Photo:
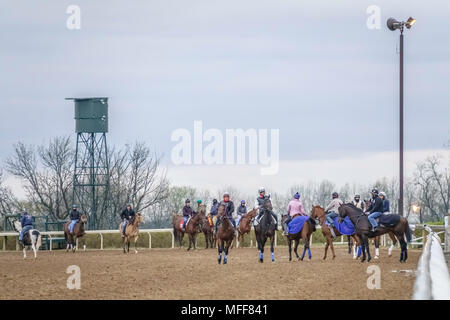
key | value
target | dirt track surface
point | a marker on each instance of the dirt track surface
(168, 273)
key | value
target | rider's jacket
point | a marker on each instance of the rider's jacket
(359, 204)
(386, 206)
(27, 220)
(127, 214)
(377, 205)
(229, 207)
(75, 215)
(214, 209)
(242, 210)
(259, 202)
(187, 211)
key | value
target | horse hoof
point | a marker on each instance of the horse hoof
(261, 260)
(376, 257)
(368, 260)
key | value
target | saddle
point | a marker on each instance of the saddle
(210, 221)
(388, 220)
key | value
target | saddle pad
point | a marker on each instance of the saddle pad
(296, 225)
(389, 219)
(346, 227)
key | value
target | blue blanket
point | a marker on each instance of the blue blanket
(296, 225)
(345, 227)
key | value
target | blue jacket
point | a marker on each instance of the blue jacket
(215, 209)
(26, 220)
(386, 206)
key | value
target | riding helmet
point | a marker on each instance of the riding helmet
(199, 201)
(261, 190)
(383, 194)
(187, 201)
(226, 194)
(242, 201)
(297, 195)
(375, 190)
(335, 195)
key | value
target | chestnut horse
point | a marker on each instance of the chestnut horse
(245, 225)
(319, 213)
(131, 233)
(78, 232)
(225, 234)
(304, 234)
(207, 227)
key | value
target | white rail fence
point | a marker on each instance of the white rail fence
(58, 235)
(433, 281)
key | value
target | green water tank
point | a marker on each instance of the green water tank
(91, 114)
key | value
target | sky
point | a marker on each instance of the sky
(311, 69)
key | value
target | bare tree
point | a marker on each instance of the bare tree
(8, 202)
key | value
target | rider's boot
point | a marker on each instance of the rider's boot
(333, 235)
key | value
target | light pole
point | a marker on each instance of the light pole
(393, 25)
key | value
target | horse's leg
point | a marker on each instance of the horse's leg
(394, 242)
(332, 248)
(306, 239)
(272, 241)
(135, 244)
(24, 252)
(328, 239)
(290, 248)
(190, 241)
(296, 242)
(403, 247)
(349, 245)
(377, 247)
(227, 245)
(124, 244)
(33, 246)
(219, 248)
(363, 247)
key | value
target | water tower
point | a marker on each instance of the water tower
(91, 174)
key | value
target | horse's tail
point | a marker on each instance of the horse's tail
(408, 232)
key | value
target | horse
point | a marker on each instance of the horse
(192, 227)
(362, 229)
(225, 234)
(78, 232)
(207, 227)
(31, 239)
(304, 234)
(131, 233)
(245, 225)
(319, 213)
(265, 229)
(378, 238)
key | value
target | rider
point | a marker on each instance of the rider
(127, 217)
(199, 202)
(187, 212)
(357, 202)
(74, 217)
(27, 225)
(295, 207)
(386, 204)
(259, 202)
(376, 209)
(229, 209)
(242, 209)
(332, 210)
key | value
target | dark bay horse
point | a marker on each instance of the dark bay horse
(363, 226)
(304, 234)
(78, 232)
(266, 228)
(225, 234)
(245, 225)
(319, 213)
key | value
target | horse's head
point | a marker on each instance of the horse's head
(367, 204)
(17, 226)
(317, 212)
(139, 219)
(267, 205)
(221, 210)
(252, 213)
(343, 210)
(84, 218)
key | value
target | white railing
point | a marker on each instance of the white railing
(433, 281)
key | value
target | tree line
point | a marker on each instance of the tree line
(137, 177)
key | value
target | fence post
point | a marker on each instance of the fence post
(51, 242)
(447, 232)
(173, 239)
(149, 240)
(4, 243)
(101, 241)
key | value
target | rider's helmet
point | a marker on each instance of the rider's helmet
(375, 191)
(357, 197)
(382, 193)
(226, 194)
(261, 190)
(187, 201)
(242, 201)
(74, 206)
(335, 195)
(128, 205)
(297, 195)
(199, 201)
(215, 201)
